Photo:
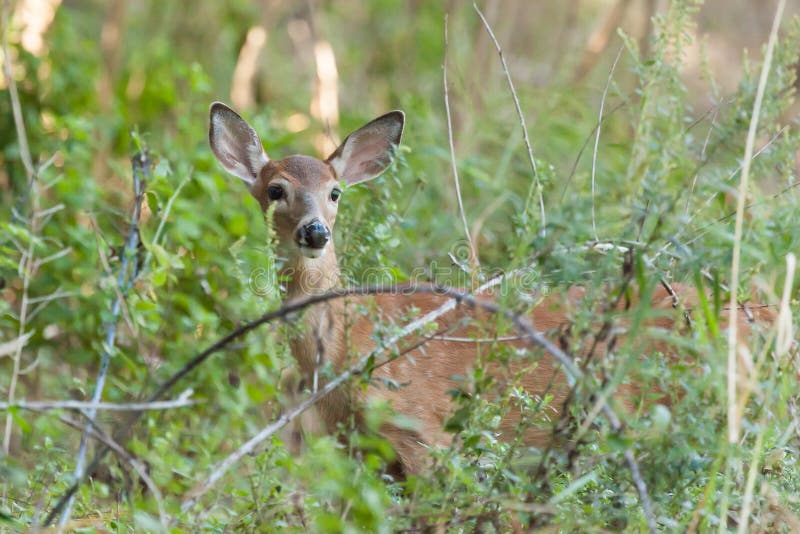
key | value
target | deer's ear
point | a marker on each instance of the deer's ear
(367, 152)
(235, 144)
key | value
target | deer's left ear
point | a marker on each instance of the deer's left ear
(368, 151)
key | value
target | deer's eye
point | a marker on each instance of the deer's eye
(335, 194)
(274, 192)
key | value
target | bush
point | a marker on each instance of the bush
(650, 200)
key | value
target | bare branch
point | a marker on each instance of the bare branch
(597, 136)
(165, 215)
(55, 295)
(127, 273)
(519, 114)
(473, 253)
(181, 402)
(60, 254)
(583, 148)
(11, 347)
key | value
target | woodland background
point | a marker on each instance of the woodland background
(86, 85)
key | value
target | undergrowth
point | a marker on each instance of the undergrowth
(660, 212)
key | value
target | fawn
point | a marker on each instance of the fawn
(305, 193)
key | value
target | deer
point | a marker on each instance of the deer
(304, 193)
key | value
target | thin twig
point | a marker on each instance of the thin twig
(127, 272)
(180, 402)
(733, 174)
(583, 148)
(11, 347)
(60, 254)
(519, 115)
(702, 155)
(458, 339)
(733, 416)
(473, 253)
(597, 135)
(49, 212)
(57, 294)
(707, 228)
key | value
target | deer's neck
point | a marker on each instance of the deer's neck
(321, 338)
(311, 276)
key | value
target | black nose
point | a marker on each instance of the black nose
(314, 235)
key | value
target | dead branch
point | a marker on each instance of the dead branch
(39, 406)
(597, 136)
(521, 117)
(127, 274)
(473, 253)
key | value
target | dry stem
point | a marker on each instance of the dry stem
(521, 117)
(473, 253)
(734, 418)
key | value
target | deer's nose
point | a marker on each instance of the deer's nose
(314, 235)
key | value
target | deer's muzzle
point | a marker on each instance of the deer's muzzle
(313, 235)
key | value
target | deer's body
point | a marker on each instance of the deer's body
(426, 376)
(305, 192)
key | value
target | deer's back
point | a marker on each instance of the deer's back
(427, 367)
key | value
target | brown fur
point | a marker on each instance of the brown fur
(427, 375)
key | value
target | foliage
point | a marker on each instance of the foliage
(666, 171)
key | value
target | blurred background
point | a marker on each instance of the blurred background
(309, 72)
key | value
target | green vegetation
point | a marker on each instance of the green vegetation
(659, 195)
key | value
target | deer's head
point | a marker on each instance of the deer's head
(304, 190)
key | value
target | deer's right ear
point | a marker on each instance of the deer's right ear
(235, 144)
